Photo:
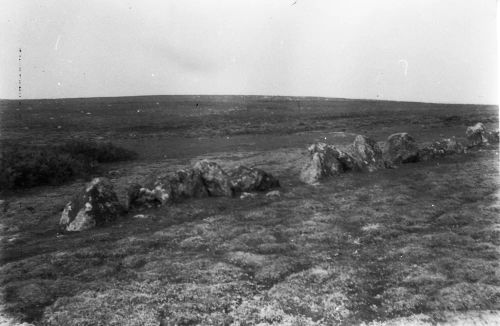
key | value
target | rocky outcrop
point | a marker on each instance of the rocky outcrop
(215, 179)
(400, 148)
(245, 179)
(95, 205)
(443, 147)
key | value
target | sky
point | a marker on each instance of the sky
(411, 50)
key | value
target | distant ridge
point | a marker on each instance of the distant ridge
(229, 98)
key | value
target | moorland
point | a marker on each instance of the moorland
(414, 245)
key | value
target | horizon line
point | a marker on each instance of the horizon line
(245, 95)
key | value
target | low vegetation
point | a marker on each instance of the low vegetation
(418, 240)
(415, 245)
(23, 166)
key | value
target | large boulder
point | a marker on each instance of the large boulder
(366, 153)
(156, 191)
(344, 161)
(443, 147)
(323, 163)
(348, 161)
(187, 183)
(161, 189)
(400, 148)
(95, 205)
(215, 179)
(314, 170)
(245, 179)
(204, 179)
(476, 135)
(479, 135)
(143, 197)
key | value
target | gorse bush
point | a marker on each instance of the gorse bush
(24, 166)
(98, 152)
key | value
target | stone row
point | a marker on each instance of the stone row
(364, 154)
(204, 179)
(98, 203)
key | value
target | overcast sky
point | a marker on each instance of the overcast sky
(417, 50)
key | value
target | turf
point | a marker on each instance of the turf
(414, 245)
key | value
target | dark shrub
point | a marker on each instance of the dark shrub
(24, 166)
(99, 152)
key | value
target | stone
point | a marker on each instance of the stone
(273, 194)
(443, 147)
(323, 163)
(313, 170)
(348, 162)
(142, 216)
(161, 189)
(142, 197)
(95, 205)
(476, 135)
(133, 195)
(492, 137)
(327, 160)
(366, 153)
(342, 161)
(245, 179)
(400, 148)
(187, 183)
(245, 195)
(215, 179)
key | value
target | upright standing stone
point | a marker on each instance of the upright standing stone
(323, 163)
(367, 153)
(215, 179)
(187, 183)
(478, 135)
(95, 205)
(400, 148)
(161, 189)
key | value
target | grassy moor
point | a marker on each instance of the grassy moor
(413, 245)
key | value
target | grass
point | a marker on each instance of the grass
(309, 258)
(414, 244)
(172, 126)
